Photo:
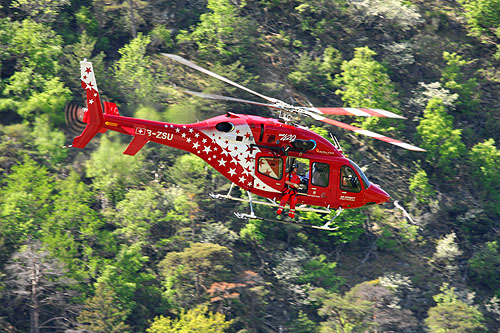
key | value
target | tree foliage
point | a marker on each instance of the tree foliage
(453, 315)
(189, 273)
(439, 137)
(364, 82)
(199, 319)
(129, 244)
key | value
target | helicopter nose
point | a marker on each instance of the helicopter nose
(376, 195)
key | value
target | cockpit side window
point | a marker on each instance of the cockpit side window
(349, 181)
(271, 167)
(320, 173)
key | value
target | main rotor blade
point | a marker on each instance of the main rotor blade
(217, 76)
(360, 112)
(365, 132)
(226, 98)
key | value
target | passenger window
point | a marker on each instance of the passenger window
(320, 174)
(271, 167)
(348, 180)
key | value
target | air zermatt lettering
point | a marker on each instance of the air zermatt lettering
(287, 137)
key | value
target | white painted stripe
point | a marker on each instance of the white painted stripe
(358, 112)
(407, 146)
(369, 133)
(388, 113)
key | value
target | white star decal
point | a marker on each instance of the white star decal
(188, 139)
(177, 130)
(232, 171)
(222, 162)
(196, 145)
(183, 135)
(242, 179)
(196, 135)
(207, 149)
(190, 130)
(245, 172)
(91, 101)
(204, 140)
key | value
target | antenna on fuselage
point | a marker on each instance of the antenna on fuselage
(336, 142)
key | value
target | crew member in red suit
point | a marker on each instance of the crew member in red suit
(290, 193)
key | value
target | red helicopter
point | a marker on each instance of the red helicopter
(254, 153)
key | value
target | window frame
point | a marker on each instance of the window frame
(350, 189)
(311, 170)
(270, 157)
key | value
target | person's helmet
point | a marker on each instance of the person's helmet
(295, 166)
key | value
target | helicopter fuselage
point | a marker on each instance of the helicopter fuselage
(255, 154)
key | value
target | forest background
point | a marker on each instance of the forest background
(95, 241)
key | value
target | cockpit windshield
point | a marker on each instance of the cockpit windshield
(365, 180)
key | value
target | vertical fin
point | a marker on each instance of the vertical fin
(93, 116)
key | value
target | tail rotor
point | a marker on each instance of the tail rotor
(74, 118)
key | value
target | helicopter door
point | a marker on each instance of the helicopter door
(315, 177)
(350, 187)
(319, 180)
(269, 172)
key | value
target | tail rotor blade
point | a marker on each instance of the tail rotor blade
(74, 118)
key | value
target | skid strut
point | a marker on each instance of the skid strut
(327, 224)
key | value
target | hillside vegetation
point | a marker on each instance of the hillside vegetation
(93, 240)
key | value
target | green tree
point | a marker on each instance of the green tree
(199, 319)
(316, 73)
(442, 142)
(346, 313)
(453, 79)
(483, 19)
(485, 160)
(223, 33)
(25, 202)
(48, 140)
(485, 266)
(34, 87)
(321, 273)
(102, 314)
(420, 187)
(139, 212)
(126, 276)
(364, 82)
(130, 10)
(111, 170)
(74, 232)
(41, 11)
(189, 273)
(190, 173)
(371, 305)
(453, 315)
(132, 72)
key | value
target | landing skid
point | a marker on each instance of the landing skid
(270, 203)
(244, 216)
